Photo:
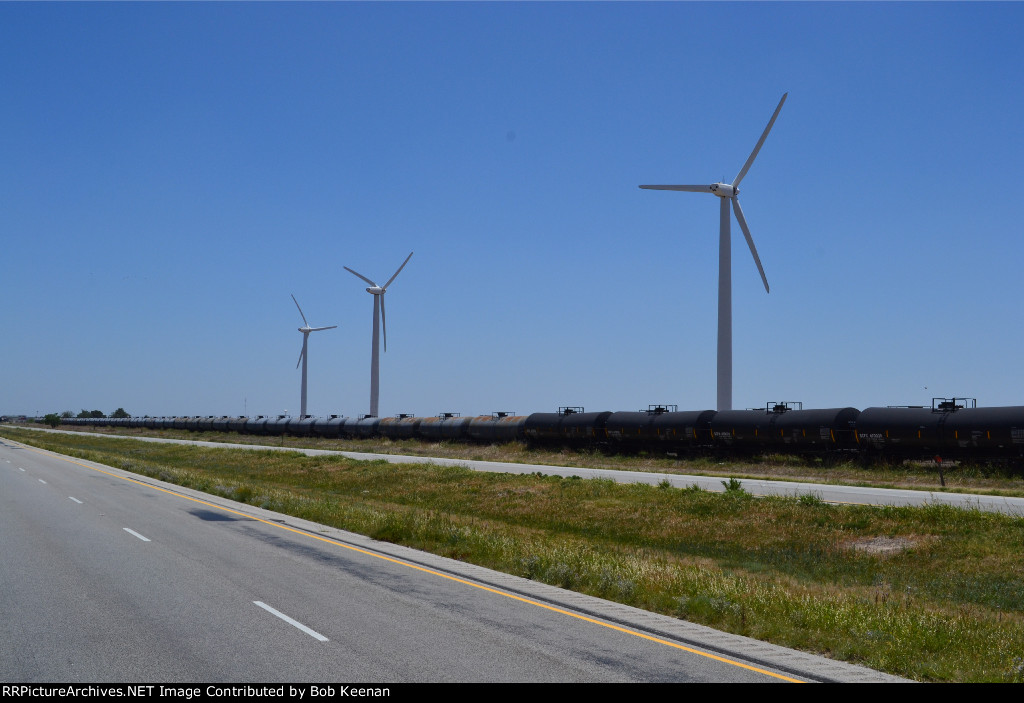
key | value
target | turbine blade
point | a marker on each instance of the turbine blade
(688, 189)
(753, 154)
(385, 286)
(384, 317)
(750, 240)
(361, 276)
(301, 352)
(317, 329)
(300, 311)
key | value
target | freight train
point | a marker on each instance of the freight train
(952, 429)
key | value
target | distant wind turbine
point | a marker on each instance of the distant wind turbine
(728, 192)
(379, 320)
(303, 356)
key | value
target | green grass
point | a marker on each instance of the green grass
(946, 604)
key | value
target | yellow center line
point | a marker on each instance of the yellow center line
(393, 560)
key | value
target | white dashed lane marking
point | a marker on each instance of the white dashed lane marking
(295, 623)
(133, 532)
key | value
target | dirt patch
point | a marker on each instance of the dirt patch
(882, 545)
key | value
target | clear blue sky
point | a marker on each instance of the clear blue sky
(170, 173)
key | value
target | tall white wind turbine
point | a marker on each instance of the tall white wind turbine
(379, 320)
(303, 357)
(728, 192)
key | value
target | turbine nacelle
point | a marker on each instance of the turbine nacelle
(307, 329)
(376, 290)
(724, 190)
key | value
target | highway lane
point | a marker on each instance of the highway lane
(109, 577)
(843, 495)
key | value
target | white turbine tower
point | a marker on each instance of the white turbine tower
(728, 192)
(379, 320)
(303, 357)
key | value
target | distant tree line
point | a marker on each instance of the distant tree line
(53, 419)
(120, 412)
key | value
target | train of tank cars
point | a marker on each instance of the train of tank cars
(952, 429)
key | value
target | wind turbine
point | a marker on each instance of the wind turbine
(728, 192)
(379, 320)
(303, 357)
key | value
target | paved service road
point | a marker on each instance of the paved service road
(107, 576)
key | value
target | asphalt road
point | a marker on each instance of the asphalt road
(106, 576)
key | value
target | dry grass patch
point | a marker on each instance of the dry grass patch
(884, 546)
